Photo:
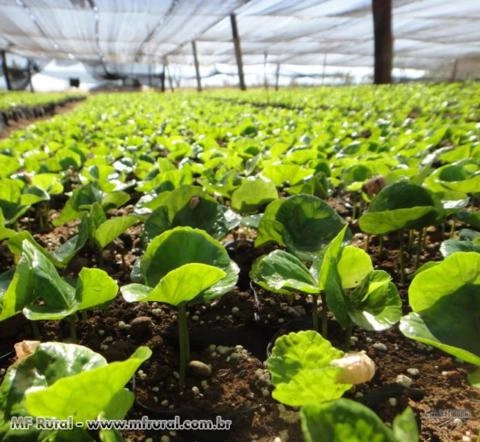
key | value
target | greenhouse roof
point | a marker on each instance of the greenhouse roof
(115, 34)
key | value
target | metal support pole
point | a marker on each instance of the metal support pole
(382, 26)
(238, 51)
(197, 66)
(6, 73)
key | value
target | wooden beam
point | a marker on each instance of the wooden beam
(6, 73)
(238, 51)
(382, 30)
(197, 67)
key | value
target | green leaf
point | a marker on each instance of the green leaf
(305, 224)
(445, 300)
(57, 294)
(405, 426)
(470, 218)
(330, 280)
(462, 176)
(299, 365)
(94, 287)
(19, 291)
(32, 195)
(282, 272)
(344, 420)
(253, 193)
(71, 395)
(113, 228)
(119, 405)
(112, 200)
(190, 206)
(60, 299)
(135, 292)
(450, 246)
(354, 266)
(50, 362)
(182, 284)
(184, 245)
(10, 194)
(5, 232)
(401, 205)
(49, 182)
(376, 304)
(66, 251)
(474, 378)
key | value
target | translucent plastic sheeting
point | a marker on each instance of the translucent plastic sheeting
(107, 30)
(128, 37)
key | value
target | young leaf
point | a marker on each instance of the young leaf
(354, 266)
(16, 293)
(184, 245)
(376, 304)
(190, 206)
(305, 224)
(50, 362)
(405, 426)
(182, 284)
(252, 194)
(445, 300)
(345, 420)
(71, 396)
(112, 228)
(282, 272)
(401, 205)
(94, 287)
(301, 370)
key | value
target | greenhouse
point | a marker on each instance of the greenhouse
(239, 220)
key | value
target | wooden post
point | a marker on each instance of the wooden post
(382, 26)
(277, 76)
(162, 77)
(324, 71)
(265, 78)
(454, 71)
(6, 73)
(29, 73)
(238, 51)
(170, 79)
(197, 66)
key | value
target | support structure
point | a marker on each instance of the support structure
(29, 73)
(197, 67)
(265, 77)
(382, 26)
(6, 72)
(453, 77)
(162, 76)
(277, 76)
(238, 51)
(169, 75)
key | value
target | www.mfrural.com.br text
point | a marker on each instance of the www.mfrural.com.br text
(144, 423)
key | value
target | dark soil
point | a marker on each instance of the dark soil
(231, 336)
